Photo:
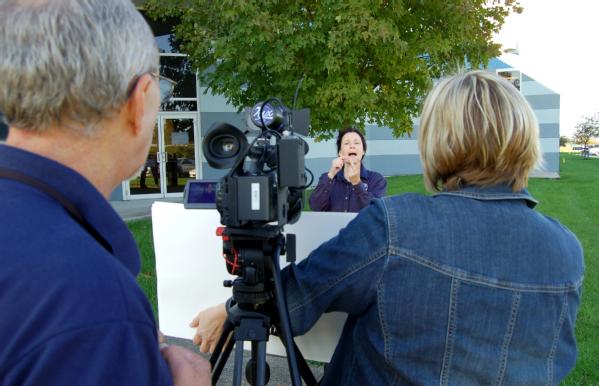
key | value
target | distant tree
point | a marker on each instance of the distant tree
(563, 140)
(360, 60)
(586, 130)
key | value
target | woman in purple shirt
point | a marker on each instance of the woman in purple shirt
(348, 186)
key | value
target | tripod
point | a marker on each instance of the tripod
(258, 303)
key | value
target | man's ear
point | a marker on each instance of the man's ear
(140, 103)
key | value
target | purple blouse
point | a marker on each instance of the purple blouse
(339, 195)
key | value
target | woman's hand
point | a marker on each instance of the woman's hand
(352, 170)
(209, 327)
(336, 165)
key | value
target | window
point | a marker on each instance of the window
(513, 76)
(178, 68)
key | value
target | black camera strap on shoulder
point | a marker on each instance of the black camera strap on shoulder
(56, 195)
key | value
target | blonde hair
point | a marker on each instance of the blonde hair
(477, 129)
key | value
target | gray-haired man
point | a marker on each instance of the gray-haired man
(80, 92)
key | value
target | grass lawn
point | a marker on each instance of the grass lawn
(573, 200)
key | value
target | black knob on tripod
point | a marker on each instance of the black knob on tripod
(228, 283)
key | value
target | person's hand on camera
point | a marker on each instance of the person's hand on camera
(336, 165)
(187, 367)
(209, 327)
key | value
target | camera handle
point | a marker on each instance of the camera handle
(253, 326)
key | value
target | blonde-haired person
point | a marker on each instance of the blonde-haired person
(468, 286)
(476, 130)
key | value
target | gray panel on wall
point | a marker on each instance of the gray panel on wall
(547, 116)
(318, 166)
(549, 130)
(214, 103)
(117, 194)
(394, 165)
(208, 119)
(535, 88)
(384, 133)
(551, 163)
(526, 78)
(543, 102)
(211, 173)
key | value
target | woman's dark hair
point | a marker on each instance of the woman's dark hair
(350, 130)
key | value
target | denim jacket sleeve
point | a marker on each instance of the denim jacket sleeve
(320, 198)
(340, 275)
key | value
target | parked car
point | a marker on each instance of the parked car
(184, 166)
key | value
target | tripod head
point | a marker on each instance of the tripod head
(248, 253)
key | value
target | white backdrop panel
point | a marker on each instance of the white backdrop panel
(190, 271)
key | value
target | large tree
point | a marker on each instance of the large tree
(586, 129)
(360, 60)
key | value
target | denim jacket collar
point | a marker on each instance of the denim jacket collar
(489, 193)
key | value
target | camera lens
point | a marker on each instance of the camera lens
(223, 145)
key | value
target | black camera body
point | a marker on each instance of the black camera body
(268, 177)
(251, 198)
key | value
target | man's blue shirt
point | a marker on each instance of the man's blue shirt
(71, 311)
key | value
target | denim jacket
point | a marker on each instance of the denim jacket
(465, 287)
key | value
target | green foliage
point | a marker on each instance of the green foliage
(361, 60)
(586, 129)
(563, 140)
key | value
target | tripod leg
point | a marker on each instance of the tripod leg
(227, 328)
(238, 370)
(285, 326)
(257, 372)
(305, 371)
(261, 364)
(217, 368)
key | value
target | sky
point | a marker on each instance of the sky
(558, 45)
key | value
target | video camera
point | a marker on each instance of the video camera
(264, 185)
(263, 189)
(267, 177)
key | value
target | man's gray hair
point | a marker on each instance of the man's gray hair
(70, 62)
